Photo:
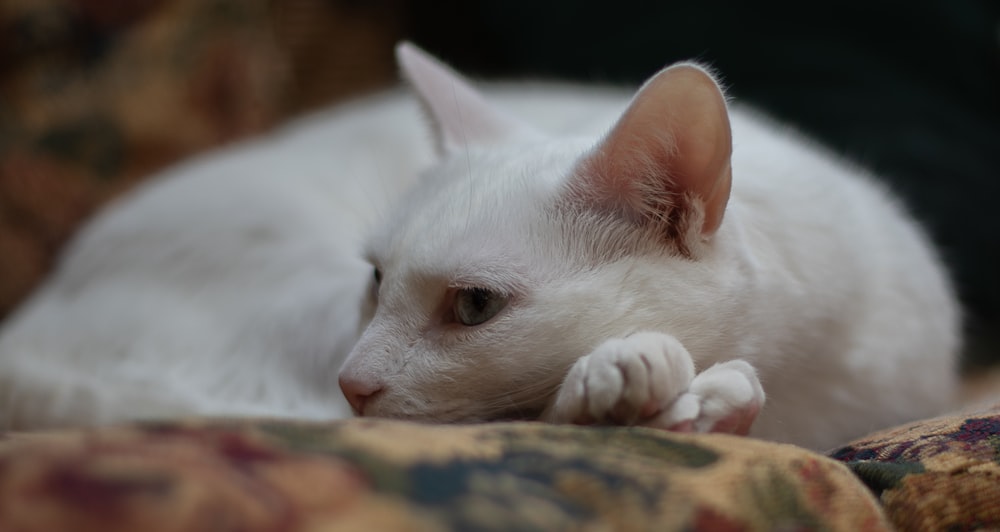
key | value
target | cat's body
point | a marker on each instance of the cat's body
(232, 285)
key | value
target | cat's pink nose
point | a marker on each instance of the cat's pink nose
(358, 391)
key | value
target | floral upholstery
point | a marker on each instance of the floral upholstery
(940, 474)
(383, 475)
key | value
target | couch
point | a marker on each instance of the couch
(97, 95)
(274, 475)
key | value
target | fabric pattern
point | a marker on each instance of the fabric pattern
(384, 475)
(939, 474)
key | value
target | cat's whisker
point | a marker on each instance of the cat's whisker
(526, 402)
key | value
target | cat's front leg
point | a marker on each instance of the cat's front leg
(649, 379)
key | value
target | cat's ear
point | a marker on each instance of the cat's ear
(667, 159)
(459, 114)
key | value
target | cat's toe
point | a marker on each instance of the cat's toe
(590, 391)
(679, 416)
(605, 384)
(668, 369)
(724, 398)
(570, 404)
(624, 381)
(664, 365)
(731, 397)
(636, 377)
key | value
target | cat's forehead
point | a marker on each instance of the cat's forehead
(491, 187)
(499, 171)
(481, 205)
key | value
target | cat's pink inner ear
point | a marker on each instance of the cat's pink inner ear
(460, 115)
(672, 144)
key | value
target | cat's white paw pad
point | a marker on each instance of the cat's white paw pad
(624, 380)
(724, 398)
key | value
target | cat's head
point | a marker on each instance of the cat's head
(518, 253)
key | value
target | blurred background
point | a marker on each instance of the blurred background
(95, 95)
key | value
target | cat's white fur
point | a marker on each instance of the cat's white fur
(232, 284)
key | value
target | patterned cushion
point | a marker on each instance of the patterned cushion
(940, 474)
(382, 475)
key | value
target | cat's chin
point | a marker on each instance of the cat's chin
(465, 411)
(506, 416)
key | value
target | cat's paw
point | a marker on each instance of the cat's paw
(649, 379)
(624, 381)
(724, 398)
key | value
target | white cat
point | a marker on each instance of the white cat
(541, 271)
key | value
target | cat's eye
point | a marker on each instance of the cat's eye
(377, 275)
(477, 305)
